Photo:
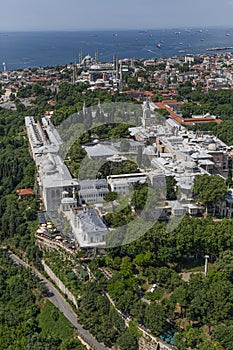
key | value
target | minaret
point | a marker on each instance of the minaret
(121, 80)
(4, 69)
(146, 118)
(74, 78)
(116, 65)
(147, 104)
(80, 56)
(99, 106)
(84, 108)
(96, 57)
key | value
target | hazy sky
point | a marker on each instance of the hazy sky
(109, 14)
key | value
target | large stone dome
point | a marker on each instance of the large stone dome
(49, 167)
(190, 164)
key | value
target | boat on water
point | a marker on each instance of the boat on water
(158, 45)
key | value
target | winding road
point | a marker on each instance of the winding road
(59, 301)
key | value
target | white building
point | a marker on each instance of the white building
(92, 191)
(53, 175)
(100, 151)
(226, 207)
(88, 228)
(123, 183)
(54, 178)
(56, 184)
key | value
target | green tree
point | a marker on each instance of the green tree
(127, 341)
(155, 317)
(126, 268)
(110, 197)
(208, 345)
(171, 187)
(225, 264)
(209, 189)
(145, 260)
(224, 335)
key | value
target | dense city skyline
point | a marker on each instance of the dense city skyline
(77, 15)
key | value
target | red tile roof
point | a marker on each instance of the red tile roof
(173, 102)
(25, 192)
(185, 121)
(138, 92)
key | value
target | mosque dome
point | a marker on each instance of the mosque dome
(149, 150)
(209, 140)
(49, 167)
(190, 165)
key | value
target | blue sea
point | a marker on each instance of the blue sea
(39, 49)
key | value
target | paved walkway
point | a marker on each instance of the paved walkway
(185, 276)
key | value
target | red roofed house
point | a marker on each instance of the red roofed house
(169, 104)
(25, 193)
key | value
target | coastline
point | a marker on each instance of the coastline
(33, 49)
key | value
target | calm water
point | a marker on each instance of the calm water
(33, 49)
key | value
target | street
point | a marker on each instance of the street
(59, 301)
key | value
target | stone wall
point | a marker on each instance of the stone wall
(147, 343)
(59, 283)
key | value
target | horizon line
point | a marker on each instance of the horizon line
(116, 29)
